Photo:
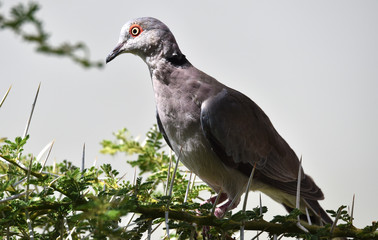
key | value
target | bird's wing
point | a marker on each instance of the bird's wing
(240, 132)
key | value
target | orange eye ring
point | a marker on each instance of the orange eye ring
(135, 30)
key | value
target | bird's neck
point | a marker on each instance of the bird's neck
(161, 65)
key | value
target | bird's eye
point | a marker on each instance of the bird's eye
(135, 30)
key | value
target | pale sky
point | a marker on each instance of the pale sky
(312, 66)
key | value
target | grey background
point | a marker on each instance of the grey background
(310, 65)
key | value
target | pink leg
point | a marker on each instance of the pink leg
(220, 211)
(222, 198)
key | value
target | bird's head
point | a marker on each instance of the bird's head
(145, 37)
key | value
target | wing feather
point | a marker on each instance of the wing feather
(242, 135)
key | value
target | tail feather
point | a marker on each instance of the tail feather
(317, 214)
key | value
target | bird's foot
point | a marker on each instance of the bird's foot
(221, 211)
(221, 198)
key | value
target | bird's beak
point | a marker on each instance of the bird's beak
(117, 50)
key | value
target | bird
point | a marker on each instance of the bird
(217, 132)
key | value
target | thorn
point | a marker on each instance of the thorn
(65, 223)
(298, 198)
(28, 177)
(246, 199)
(188, 188)
(300, 226)
(131, 218)
(168, 172)
(48, 154)
(261, 213)
(119, 179)
(174, 174)
(134, 178)
(241, 191)
(216, 202)
(70, 233)
(257, 235)
(299, 179)
(336, 219)
(261, 210)
(31, 113)
(5, 96)
(28, 122)
(170, 192)
(149, 232)
(95, 162)
(248, 187)
(193, 182)
(352, 211)
(242, 232)
(83, 159)
(308, 216)
(28, 221)
(54, 166)
(153, 230)
(166, 223)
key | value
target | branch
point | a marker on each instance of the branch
(260, 224)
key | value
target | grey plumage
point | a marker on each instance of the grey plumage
(218, 132)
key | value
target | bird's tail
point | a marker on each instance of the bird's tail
(317, 216)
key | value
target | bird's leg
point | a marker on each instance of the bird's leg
(220, 211)
(222, 198)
